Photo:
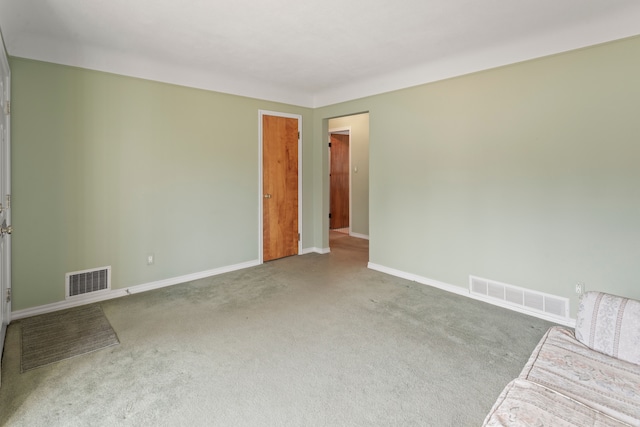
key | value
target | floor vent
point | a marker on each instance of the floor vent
(80, 283)
(513, 296)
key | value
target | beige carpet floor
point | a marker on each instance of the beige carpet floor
(313, 340)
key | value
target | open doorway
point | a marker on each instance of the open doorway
(339, 180)
(348, 138)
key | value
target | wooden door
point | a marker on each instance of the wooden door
(280, 187)
(339, 182)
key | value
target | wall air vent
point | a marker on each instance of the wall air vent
(81, 283)
(510, 296)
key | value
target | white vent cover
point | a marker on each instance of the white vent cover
(80, 283)
(513, 296)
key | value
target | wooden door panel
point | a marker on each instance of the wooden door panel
(339, 181)
(280, 186)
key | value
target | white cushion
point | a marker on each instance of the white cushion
(610, 324)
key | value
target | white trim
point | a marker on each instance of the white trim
(260, 195)
(359, 236)
(315, 250)
(62, 305)
(117, 293)
(5, 287)
(415, 278)
(566, 321)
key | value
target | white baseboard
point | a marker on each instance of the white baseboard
(566, 321)
(359, 236)
(315, 250)
(422, 280)
(62, 305)
(117, 293)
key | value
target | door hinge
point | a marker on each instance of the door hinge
(298, 237)
(329, 145)
(298, 134)
(329, 216)
(9, 295)
(7, 107)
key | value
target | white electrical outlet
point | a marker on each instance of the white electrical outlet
(150, 259)
(580, 288)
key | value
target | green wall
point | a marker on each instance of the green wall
(107, 169)
(527, 174)
(359, 150)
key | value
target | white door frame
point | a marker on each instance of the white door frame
(344, 130)
(5, 180)
(260, 189)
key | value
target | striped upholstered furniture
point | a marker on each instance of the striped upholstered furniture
(590, 377)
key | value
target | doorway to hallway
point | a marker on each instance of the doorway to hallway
(339, 181)
(348, 167)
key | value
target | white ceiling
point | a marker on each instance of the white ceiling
(306, 52)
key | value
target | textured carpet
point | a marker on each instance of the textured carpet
(53, 337)
(312, 340)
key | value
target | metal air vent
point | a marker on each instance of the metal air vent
(519, 297)
(80, 283)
